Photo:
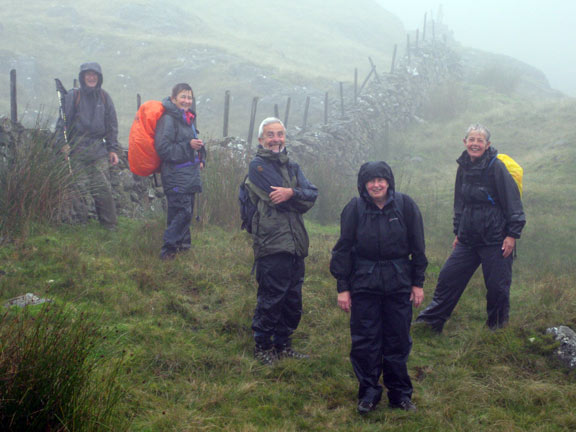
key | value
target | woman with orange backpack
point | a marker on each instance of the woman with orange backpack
(183, 156)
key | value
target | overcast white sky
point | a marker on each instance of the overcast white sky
(541, 33)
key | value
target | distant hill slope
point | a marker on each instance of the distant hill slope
(146, 47)
(257, 48)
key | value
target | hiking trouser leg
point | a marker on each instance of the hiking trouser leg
(291, 312)
(396, 346)
(366, 351)
(101, 190)
(179, 216)
(186, 242)
(497, 272)
(275, 275)
(452, 281)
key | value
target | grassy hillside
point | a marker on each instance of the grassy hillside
(253, 49)
(185, 325)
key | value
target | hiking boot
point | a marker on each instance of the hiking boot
(365, 407)
(288, 352)
(404, 404)
(265, 356)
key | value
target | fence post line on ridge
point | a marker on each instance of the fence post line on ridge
(365, 81)
(287, 113)
(374, 69)
(138, 101)
(13, 97)
(252, 122)
(306, 108)
(392, 66)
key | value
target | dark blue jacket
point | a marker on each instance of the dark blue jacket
(279, 228)
(180, 163)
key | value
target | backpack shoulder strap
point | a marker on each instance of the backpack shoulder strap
(77, 95)
(400, 204)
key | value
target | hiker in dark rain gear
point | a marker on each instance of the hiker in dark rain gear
(92, 130)
(379, 263)
(183, 156)
(488, 218)
(282, 194)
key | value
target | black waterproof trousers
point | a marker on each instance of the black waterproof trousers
(456, 274)
(381, 343)
(279, 304)
(179, 216)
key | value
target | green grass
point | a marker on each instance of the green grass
(185, 326)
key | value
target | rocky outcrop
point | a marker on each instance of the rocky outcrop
(566, 352)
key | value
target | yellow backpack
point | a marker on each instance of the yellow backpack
(514, 169)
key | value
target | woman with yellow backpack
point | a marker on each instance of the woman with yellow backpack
(488, 218)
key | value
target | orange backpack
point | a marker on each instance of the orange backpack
(142, 157)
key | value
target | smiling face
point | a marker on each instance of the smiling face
(183, 100)
(273, 137)
(90, 78)
(476, 144)
(378, 189)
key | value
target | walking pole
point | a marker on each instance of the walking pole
(61, 91)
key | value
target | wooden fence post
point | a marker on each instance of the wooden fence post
(306, 108)
(287, 113)
(326, 108)
(342, 98)
(138, 101)
(252, 121)
(374, 69)
(393, 58)
(226, 112)
(365, 81)
(13, 97)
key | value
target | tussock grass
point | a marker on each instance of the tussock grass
(35, 185)
(56, 374)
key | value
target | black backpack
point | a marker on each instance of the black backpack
(247, 207)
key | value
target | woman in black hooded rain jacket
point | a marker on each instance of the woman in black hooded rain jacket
(488, 218)
(379, 263)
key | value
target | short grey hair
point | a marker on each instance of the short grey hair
(266, 122)
(478, 128)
